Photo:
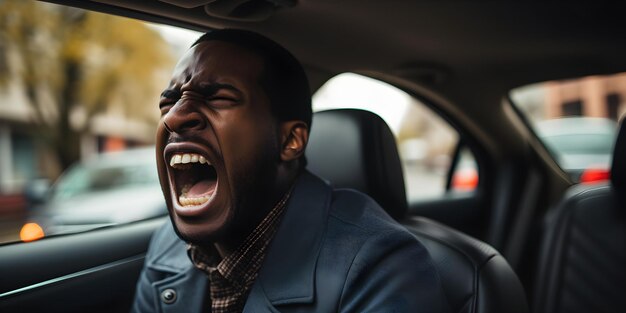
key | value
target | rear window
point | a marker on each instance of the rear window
(426, 142)
(576, 119)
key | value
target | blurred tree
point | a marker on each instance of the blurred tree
(74, 64)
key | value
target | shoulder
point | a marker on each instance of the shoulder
(365, 233)
(376, 251)
(357, 210)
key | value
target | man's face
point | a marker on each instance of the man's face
(217, 144)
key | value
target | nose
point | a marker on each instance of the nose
(182, 117)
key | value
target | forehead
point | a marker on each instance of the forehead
(218, 60)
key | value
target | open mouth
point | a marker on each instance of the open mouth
(194, 179)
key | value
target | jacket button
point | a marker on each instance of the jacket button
(168, 296)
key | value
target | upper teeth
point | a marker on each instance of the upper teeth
(184, 158)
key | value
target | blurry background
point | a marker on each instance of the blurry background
(577, 120)
(73, 84)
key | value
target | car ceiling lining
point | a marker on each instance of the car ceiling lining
(533, 42)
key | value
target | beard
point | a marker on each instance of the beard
(256, 193)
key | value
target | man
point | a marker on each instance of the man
(251, 230)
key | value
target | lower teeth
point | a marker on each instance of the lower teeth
(185, 201)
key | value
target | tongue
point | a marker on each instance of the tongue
(201, 188)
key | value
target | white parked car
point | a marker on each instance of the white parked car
(581, 145)
(108, 189)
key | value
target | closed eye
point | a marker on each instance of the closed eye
(170, 94)
(220, 95)
(168, 98)
(225, 98)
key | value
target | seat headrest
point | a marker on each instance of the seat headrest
(356, 149)
(618, 168)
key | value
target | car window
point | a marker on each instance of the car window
(576, 119)
(426, 142)
(78, 111)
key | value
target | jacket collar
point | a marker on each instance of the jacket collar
(288, 272)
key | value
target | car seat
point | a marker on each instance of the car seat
(582, 264)
(356, 149)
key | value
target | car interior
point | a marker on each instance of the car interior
(474, 276)
(574, 253)
(527, 238)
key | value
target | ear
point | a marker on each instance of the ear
(294, 137)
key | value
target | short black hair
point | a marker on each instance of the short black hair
(283, 77)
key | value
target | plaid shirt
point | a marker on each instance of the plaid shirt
(232, 277)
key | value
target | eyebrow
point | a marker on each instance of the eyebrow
(205, 89)
(213, 88)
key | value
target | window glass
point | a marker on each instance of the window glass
(465, 172)
(102, 175)
(577, 120)
(78, 101)
(426, 142)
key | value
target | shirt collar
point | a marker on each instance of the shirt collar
(241, 267)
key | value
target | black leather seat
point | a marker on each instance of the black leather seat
(356, 149)
(583, 255)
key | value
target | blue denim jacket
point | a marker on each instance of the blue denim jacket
(334, 251)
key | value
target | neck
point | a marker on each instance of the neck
(229, 245)
(223, 250)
